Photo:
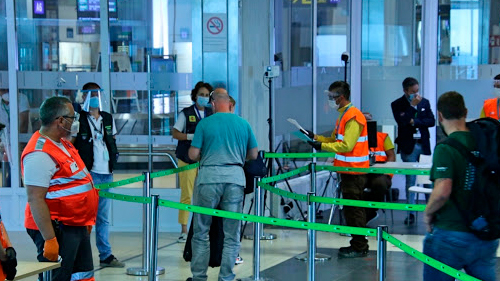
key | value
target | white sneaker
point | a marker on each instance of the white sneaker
(239, 260)
(182, 238)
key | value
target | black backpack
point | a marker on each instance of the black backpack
(483, 177)
(254, 168)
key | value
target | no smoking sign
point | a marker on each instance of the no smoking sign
(214, 32)
(215, 25)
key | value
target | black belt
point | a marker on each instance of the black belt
(222, 165)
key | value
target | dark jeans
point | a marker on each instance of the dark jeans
(460, 250)
(74, 249)
(377, 186)
(352, 187)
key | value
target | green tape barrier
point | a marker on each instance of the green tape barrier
(245, 217)
(285, 175)
(345, 202)
(120, 183)
(174, 171)
(126, 198)
(299, 155)
(299, 225)
(401, 171)
(428, 260)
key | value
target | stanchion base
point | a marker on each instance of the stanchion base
(265, 236)
(137, 271)
(318, 257)
(253, 279)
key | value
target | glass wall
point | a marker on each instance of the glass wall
(391, 51)
(293, 52)
(470, 39)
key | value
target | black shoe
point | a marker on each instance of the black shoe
(111, 261)
(410, 219)
(189, 279)
(349, 252)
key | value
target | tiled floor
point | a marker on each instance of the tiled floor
(128, 247)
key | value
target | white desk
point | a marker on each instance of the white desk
(404, 165)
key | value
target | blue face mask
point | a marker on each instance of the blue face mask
(203, 101)
(94, 102)
(412, 96)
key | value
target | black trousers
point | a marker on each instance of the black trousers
(352, 186)
(74, 249)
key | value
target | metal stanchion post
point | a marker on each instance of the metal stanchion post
(146, 227)
(256, 233)
(153, 269)
(47, 275)
(263, 235)
(311, 234)
(381, 251)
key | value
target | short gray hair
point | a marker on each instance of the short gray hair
(52, 108)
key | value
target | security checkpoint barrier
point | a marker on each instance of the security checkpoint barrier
(381, 232)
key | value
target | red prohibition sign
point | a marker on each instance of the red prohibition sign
(215, 25)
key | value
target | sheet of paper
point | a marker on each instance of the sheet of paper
(301, 136)
(295, 123)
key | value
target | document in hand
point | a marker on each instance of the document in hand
(302, 133)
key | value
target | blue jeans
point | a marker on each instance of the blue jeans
(228, 197)
(414, 156)
(460, 250)
(102, 221)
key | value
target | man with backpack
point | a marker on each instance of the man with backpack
(458, 193)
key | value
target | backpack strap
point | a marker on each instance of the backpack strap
(467, 153)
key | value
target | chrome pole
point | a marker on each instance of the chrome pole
(381, 251)
(311, 234)
(47, 275)
(146, 215)
(257, 231)
(150, 118)
(153, 237)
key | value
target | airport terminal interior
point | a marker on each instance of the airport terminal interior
(276, 58)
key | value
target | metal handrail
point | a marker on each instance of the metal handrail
(169, 155)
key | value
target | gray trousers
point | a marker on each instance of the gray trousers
(228, 197)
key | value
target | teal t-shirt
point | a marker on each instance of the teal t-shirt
(447, 162)
(223, 140)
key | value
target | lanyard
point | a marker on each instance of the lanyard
(197, 112)
(93, 125)
(6, 108)
(340, 120)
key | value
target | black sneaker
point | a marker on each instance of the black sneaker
(349, 252)
(189, 279)
(111, 261)
(410, 219)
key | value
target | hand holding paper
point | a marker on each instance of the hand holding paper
(307, 133)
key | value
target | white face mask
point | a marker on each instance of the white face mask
(75, 128)
(496, 91)
(333, 105)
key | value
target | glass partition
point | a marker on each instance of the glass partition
(391, 48)
(470, 41)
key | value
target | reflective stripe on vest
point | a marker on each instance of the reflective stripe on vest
(40, 143)
(69, 191)
(81, 175)
(379, 153)
(351, 159)
(360, 139)
(82, 275)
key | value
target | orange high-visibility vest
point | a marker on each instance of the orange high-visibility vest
(379, 151)
(71, 196)
(490, 108)
(359, 156)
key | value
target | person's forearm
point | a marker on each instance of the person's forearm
(178, 135)
(435, 203)
(321, 138)
(41, 215)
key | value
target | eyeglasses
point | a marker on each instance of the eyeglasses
(73, 118)
(332, 95)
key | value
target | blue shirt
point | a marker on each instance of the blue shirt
(223, 140)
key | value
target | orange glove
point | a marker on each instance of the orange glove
(51, 249)
(89, 229)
